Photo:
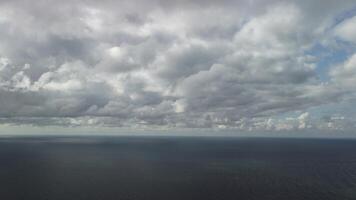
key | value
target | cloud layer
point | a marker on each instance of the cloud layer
(240, 64)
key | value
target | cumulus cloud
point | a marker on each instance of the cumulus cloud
(223, 64)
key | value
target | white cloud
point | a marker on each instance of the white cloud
(171, 64)
(347, 30)
(345, 74)
(303, 120)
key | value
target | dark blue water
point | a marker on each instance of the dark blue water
(176, 168)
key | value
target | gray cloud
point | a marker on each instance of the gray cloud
(168, 63)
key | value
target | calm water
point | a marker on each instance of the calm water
(120, 168)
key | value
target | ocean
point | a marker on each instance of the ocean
(176, 168)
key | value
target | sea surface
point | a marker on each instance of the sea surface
(176, 168)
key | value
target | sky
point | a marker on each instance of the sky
(237, 65)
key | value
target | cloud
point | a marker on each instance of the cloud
(238, 64)
(346, 30)
(345, 73)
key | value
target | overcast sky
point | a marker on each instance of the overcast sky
(236, 64)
